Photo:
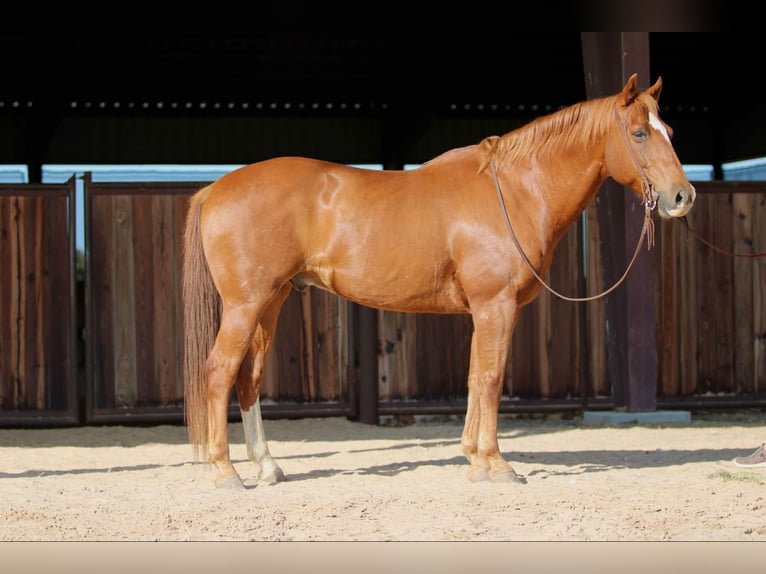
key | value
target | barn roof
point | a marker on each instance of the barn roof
(264, 91)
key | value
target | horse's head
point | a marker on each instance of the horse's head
(639, 152)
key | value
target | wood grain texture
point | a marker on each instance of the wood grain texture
(36, 305)
(123, 302)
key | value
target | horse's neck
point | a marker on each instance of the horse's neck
(567, 184)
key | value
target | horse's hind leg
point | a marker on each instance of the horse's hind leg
(231, 344)
(257, 447)
(249, 383)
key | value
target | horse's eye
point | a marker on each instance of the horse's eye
(640, 135)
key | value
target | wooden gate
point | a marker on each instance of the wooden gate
(38, 317)
(134, 351)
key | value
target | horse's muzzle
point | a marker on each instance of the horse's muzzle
(680, 205)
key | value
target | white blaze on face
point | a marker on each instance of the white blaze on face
(655, 122)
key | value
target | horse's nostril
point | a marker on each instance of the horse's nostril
(680, 198)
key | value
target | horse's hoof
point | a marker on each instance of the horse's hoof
(273, 477)
(231, 482)
(478, 475)
(509, 477)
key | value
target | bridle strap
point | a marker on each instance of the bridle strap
(646, 185)
(646, 231)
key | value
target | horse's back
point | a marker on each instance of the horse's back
(294, 175)
(311, 193)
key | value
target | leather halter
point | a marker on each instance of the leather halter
(647, 186)
(646, 231)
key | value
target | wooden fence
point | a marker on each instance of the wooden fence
(712, 306)
(710, 311)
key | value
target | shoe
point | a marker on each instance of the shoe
(755, 460)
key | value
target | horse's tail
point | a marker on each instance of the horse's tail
(202, 317)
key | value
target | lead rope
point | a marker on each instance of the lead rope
(689, 230)
(646, 231)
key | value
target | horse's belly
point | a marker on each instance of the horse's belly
(404, 292)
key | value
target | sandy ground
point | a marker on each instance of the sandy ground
(348, 481)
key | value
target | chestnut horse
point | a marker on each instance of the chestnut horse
(429, 240)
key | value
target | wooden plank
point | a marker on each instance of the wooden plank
(667, 307)
(526, 380)
(705, 226)
(689, 305)
(60, 316)
(30, 254)
(180, 210)
(101, 246)
(759, 294)
(387, 354)
(508, 375)
(41, 317)
(595, 310)
(346, 336)
(542, 342)
(18, 301)
(308, 381)
(27, 311)
(290, 368)
(329, 364)
(684, 305)
(124, 310)
(563, 356)
(743, 293)
(522, 351)
(397, 358)
(6, 278)
(429, 349)
(164, 294)
(269, 387)
(715, 297)
(144, 248)
(724, 286)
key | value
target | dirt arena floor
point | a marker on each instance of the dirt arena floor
(400, 481)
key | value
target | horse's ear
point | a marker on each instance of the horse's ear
(655, 90)
(630, 91)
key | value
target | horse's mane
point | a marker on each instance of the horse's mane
(577, 125)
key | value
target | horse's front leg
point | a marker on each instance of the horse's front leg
(493, 327)
(479, 471)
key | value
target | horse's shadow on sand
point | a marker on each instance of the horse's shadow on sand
(536, 464)
(575, 462)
